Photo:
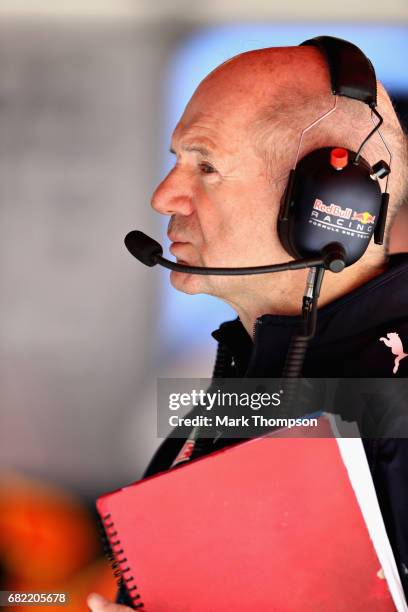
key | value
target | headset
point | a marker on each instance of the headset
(333, 194)
(333, 199)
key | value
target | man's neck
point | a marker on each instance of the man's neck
(286, 298)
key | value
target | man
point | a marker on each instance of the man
(234, 147)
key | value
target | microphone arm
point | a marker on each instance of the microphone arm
(150, 253)
(290, 265)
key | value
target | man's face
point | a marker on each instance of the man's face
(223, 207)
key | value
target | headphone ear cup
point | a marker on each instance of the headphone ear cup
(329, 201)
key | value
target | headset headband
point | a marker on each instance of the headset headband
(351, 72)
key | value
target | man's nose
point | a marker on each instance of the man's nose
(173, 196)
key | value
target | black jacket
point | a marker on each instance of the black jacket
(347, 345)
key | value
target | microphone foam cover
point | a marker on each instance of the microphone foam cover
(144, 248)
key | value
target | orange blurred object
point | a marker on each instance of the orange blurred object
(46, 535)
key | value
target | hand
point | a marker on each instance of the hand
(97, 603)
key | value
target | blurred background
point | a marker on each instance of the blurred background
(89, 94)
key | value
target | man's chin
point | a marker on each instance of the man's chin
(187, 283)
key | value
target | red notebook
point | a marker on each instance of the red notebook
(271, 524)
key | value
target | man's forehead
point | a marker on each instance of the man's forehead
(205, 132)
(199, 122)
(214, 117)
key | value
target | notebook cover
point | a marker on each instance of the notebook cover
(269, 525)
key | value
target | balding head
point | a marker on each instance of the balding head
(266, 75)
(280, 91)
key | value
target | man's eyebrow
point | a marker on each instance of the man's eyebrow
(194, 148)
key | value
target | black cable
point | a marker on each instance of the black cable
(299, 342)
(373, 131)
(298, 345)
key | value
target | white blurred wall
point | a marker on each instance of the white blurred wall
(79, 120)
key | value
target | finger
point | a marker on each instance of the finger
(97, 603)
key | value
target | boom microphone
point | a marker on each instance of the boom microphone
(144, 248)
(150, 253)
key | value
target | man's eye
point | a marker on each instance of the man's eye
(206, 168)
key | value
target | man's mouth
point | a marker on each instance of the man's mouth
(175, 247)
(176, 250)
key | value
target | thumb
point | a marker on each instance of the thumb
(97, 603)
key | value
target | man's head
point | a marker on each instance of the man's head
(235, 145)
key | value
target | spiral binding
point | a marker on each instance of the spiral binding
(114, 553)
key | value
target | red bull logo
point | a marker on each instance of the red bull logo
(363, 217)
(332, 209)
(333, 217)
